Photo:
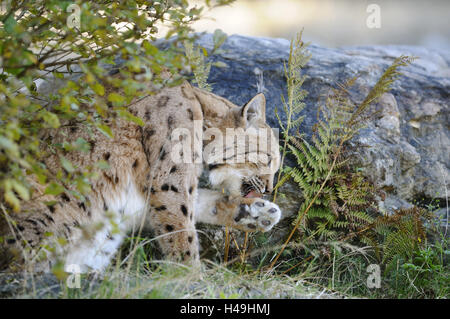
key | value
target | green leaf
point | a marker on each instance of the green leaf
(9, 146)
(12, 200)
(219, 38)
(220, 64)
(22, 190)
(83, 186)
(51, 203)
(205, 53)
(58, 271)
(62, 241)
(67, 165)
(106, 130)
(54, 189)
(10, 24)
(98, 88)
(102, 164)
(130, 117)
(51, 119)
(82, 145)
(116, 98)
(150, 49)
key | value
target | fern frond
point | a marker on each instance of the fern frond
(336, 196)
(382, 86)
(288, 171)
(201, 69)
(293, 105)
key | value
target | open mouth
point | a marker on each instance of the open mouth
(249, 191)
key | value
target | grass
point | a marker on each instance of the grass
(161, 279)
(309, 269)
(312, 269)
(342, 267)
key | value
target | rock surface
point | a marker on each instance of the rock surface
(406, 149)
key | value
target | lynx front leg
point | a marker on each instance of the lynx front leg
(171, 217)
(247, 214)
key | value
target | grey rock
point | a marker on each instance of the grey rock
(405, 150)
(442, 213)
(392, 202)
(13, 285)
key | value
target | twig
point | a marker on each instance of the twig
(227, 244)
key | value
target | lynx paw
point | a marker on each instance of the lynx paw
(259, 215)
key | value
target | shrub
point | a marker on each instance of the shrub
(80, 42)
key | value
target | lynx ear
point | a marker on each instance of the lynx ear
(255, 109)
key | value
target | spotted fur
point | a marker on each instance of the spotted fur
(143, 187)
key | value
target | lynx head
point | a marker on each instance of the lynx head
(244, 155)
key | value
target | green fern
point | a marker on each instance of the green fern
(197, 59)
(293, 105)
(337, 196)
(201, 69)
(403, 233)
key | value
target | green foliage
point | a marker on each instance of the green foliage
(422, 274)
(339, 266)
(45, 40)
(403, 233)
(336, 195)
(293, 105)
(337, 202)
(201, 68)
(196, 57)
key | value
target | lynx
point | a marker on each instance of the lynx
(147, 185)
